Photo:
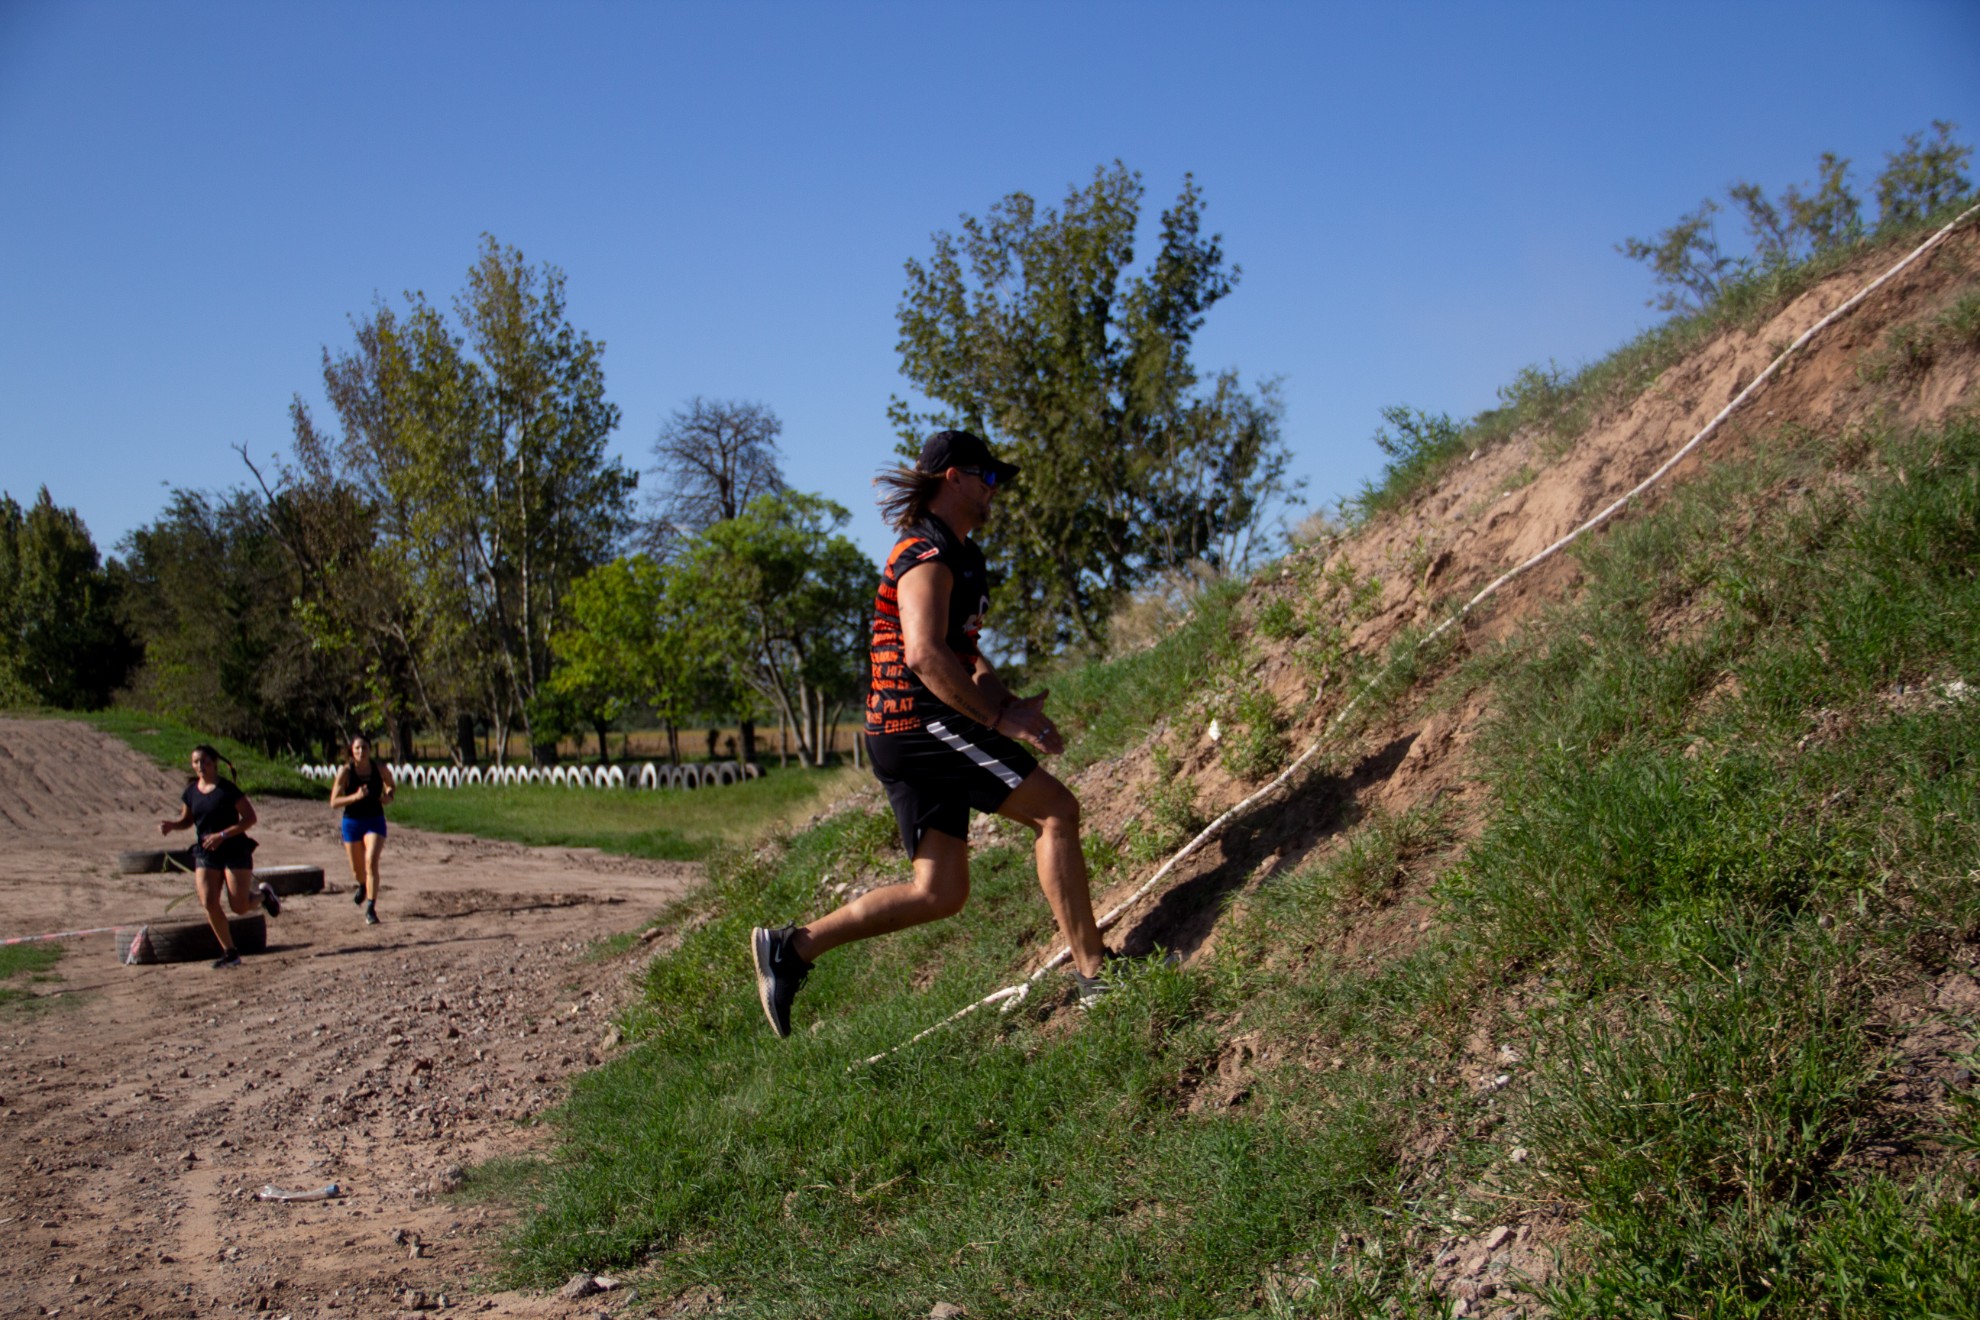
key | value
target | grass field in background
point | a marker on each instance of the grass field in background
(671, 824)
(1734, 791)
(674, 824)
(170, 744)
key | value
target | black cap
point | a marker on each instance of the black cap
(947, 449)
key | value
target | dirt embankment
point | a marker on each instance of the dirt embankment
(141, 1108)
(1483, 517)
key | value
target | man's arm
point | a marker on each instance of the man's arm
(975, 690)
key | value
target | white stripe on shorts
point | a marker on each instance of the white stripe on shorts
(1010, 777)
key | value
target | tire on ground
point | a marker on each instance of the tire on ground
(287, 880)
(187, 941)
(727, 774)
(153, 861)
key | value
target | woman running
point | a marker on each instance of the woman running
(362, 788)
(220, 817)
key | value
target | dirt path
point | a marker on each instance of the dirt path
(141, 1108)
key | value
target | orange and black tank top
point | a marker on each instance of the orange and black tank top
(897, 700)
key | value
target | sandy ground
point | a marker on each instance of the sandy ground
(142, 1108)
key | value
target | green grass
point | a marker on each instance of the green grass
(669, 824)
(25, 962)
(1718, 841)
(1108, 705)
(1008, 1164)
(1254, 743)
(170, 743)
(1728, 800)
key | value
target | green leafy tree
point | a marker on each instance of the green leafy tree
(485, 439)
(62, 642)
(1685, 260)
(210, 592)
(778, 600)
(631, 642)
(1775, 240)
(1031, 327)
(350, 601)
(1831, 215)
(1690, 268)
(1923, 177)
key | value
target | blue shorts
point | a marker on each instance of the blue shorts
(356, 827)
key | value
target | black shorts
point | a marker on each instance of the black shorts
(936, 774)
(236, 854)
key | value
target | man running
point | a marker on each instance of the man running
(942, 729)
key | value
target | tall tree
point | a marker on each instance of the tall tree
(711, 459)
(212, 595)
(353, 601)
(1031, 328)
(62, 642)
(778, 599)
(485, 442)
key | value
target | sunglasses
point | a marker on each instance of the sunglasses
(988, 476)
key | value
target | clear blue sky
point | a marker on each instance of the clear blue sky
(1423, 197)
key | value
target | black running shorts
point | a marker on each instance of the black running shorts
(937, 773)
(236, 854)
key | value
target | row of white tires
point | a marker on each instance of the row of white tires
(647, 775)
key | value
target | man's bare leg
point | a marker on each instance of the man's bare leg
(939, 889)
(1049, 808)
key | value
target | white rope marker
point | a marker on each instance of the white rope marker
(1013, 995)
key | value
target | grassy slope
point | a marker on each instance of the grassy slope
(1734, 803)
(1675, 864)
(1718, 842)
(169, 743)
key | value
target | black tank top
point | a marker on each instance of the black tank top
(372, 805)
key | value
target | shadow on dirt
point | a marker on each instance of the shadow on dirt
(393, 946)
(1287, 830)
(464, 902)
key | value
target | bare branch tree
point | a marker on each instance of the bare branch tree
(711, 459)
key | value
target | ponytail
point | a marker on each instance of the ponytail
(207, 749)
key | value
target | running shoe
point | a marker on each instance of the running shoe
(370, 914)
(269, 903)
(357, 895)
(779, 973)
(231, 958)
(1092, 989)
